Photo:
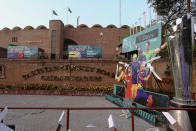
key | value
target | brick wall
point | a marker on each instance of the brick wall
(91, 36)
(25, 37)
(82, 73)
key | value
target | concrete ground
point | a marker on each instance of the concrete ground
(42, 120)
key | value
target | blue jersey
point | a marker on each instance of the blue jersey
(135, 68)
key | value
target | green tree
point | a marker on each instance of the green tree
(169, 10)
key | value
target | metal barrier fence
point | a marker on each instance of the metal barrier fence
(68, 109)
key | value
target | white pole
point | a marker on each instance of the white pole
(67, 15)
(136, 26)
(150, 16)
(120, 12)
(133, 28)
(52, 15)
(144, 19)
(157, 17)
(130, 30)
(140, 23)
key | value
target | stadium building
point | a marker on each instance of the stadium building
(43, 56)
(51, 63)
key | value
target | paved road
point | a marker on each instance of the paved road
(41, 120)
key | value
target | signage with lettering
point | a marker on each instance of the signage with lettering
(71, 78)
(147, 36)
(20, 52)
(42, 70)
(151, 35)
(84, 51)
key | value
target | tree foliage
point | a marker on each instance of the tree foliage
(169, 10)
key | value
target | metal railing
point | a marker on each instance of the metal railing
(68, 109)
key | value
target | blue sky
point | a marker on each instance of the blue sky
(38, 12)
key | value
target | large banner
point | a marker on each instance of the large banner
(22, 52)
(151, 35)
(84, 51)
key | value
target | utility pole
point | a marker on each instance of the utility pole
(67, 15)
(130, 31)
(150, 16)
(144, 19)
(120, 12)
(136, 26)
(133, 28)
(140, 23)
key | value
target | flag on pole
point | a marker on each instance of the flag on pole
(69, 10)
(54, 12)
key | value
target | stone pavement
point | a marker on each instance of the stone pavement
(46, 120)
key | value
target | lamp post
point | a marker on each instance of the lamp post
(101, 37)
(78, 20)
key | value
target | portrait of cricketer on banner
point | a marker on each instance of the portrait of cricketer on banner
(148, 40)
